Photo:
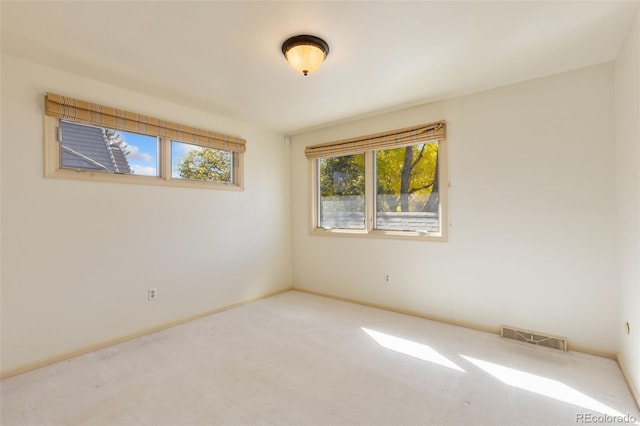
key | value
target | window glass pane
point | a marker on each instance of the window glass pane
(196, 162)
(341, 200)
(407, 196)
(107, 150)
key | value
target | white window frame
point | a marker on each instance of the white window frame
(369, 230)
(53, 169)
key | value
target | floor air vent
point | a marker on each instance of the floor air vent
(534, 338)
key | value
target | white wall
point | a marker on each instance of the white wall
(532, 211)
(627, 113)
(78, 257)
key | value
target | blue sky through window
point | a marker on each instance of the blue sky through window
(143, 153)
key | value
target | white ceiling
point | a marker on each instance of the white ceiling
(225, 57)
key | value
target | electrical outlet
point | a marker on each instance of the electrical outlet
(152, 294)
(387, 278)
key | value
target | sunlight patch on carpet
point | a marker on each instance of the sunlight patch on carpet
(411, 348)
(542, 386)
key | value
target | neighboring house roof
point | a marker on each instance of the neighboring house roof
(86, 147)
(120, 157)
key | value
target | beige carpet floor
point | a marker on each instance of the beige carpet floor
(299, 359)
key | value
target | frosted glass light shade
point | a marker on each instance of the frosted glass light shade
(305, 53)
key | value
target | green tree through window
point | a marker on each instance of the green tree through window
(404, 181)
(204, 164)
(407, 178)
(342, 192)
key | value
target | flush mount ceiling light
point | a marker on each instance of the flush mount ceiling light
(305, 52)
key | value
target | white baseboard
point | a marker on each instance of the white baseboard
(451, 321)
(629, 380)
(94, 347)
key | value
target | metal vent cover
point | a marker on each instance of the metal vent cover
(534, 338)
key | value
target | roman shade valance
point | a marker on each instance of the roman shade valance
(423, 133)
(98, 115)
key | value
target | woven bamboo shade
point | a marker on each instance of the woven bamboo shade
(424, 133)
(71, 109)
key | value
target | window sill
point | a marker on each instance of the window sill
(86, 175)
(379, 234)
